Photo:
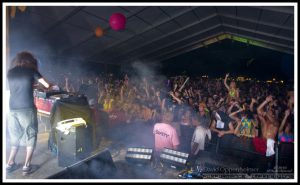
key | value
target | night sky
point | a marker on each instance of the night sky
(234, 57)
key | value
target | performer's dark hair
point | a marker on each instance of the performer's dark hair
(25, 59)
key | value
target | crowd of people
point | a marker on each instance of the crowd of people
(195, 107)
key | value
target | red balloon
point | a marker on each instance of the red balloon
(117, 21)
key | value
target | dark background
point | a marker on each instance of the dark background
(234, 57)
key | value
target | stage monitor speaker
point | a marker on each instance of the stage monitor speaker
(68, 109)
(73, 147)
(98, 166)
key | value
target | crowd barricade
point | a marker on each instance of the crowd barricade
(286, 157)
(248, 153)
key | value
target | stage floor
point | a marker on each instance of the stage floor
(120, 138)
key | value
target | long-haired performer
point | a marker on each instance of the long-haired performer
(22, 118)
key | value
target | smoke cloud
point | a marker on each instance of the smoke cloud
(25, 35)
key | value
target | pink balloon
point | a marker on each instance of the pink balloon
(117, 21)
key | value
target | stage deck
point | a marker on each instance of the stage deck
(46, 163)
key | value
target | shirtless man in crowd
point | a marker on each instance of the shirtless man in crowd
(269, 122)
(269, 125)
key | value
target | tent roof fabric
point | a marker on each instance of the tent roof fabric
(153, 31)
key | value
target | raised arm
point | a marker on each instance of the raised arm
(220, 101)
(106, 88)
(122, 93)
(262, 105)
(191, 94)
(233, 115)
(147, 92)
(153, 90)
(235, 118)
(175, 98)
(260, 111)
(231, 107)
(158, 97)
(253, 101)
(175, 85)
(225, 81)
(286, 115)
(100, 96)
(67, 84)
(291, 102)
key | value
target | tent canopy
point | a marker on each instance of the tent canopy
(153, 33)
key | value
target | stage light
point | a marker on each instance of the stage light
(176, 153)
(138, 155)
(140, 150)
(174, 158)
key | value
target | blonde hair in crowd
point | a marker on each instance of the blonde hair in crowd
(168, 117)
